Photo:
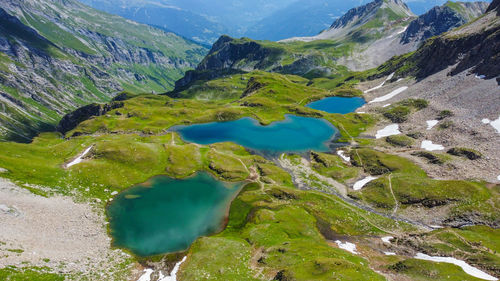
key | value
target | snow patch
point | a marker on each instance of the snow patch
(147, 275)
(389, 253)
(381, 85)
(496, 124)
(387, 239)
(342, 155)
(498, 178)
(173, 274)
(429, 146)
(390, 95)
(390, 130)
(350, 247)
(486, 121)
(79, 159)
(386, 105)
(431, 124)
(466, 267)
(172, 277)
(436, 226)
(480, 76)
(359, 184)
(114, 192)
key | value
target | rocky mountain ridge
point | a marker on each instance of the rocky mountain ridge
(364, 37)
(58, 55)
(474, 47)
(441, 19)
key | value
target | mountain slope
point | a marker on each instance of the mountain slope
(441, 19)
(201, 21)
(383, 29)
(365, 23)
(474, 47)
(58, 55)
(184, 22)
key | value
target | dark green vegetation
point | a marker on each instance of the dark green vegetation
(433, 158)
(332, 166)
(59, 55)
(404, 185)
(278, 231)
(275, 96)
(399, 112)
(29, 274)
(468, 153)
(400, 140)
(474, 244)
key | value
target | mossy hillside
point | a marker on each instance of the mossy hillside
(399, 112)
(308, 59)
(278, 95)
(411, 187)
(275, 229)
(420, 270)
(433, 157)
(477, 245)
(400, 141)
(117, 162)
(30, 273)
(332, 166)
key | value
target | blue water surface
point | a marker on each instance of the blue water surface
(166, 215)
(294, 134)
(337, 104)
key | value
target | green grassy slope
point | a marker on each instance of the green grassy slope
(63, 55)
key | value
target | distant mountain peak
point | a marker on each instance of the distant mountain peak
(392, 9)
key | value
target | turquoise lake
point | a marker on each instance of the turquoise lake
(294, 134)
(337, 104)
(166, 215)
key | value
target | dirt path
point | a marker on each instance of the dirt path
(396, 203)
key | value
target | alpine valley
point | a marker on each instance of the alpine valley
(367, 149)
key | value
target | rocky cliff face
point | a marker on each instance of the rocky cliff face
(474, 47)
(229, 53)
(58, 55)
(441, 19)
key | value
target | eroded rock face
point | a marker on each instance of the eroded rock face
(71, 120)
(227, 51)
(441, 19)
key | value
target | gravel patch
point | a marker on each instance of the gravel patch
(56, 232)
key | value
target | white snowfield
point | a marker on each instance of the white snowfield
(389, 253)
(495, 123)
(79, 159)
(361, 183)
(381, 85)
(466, 267)
(172, 277)
(350, 247)
(390, 95)
(147, 275)
(343, 156)
(429, 146)
(390, 130)
(173, 274)
(387, 239)
(431, 124)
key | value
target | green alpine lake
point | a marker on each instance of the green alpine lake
(166, 215)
